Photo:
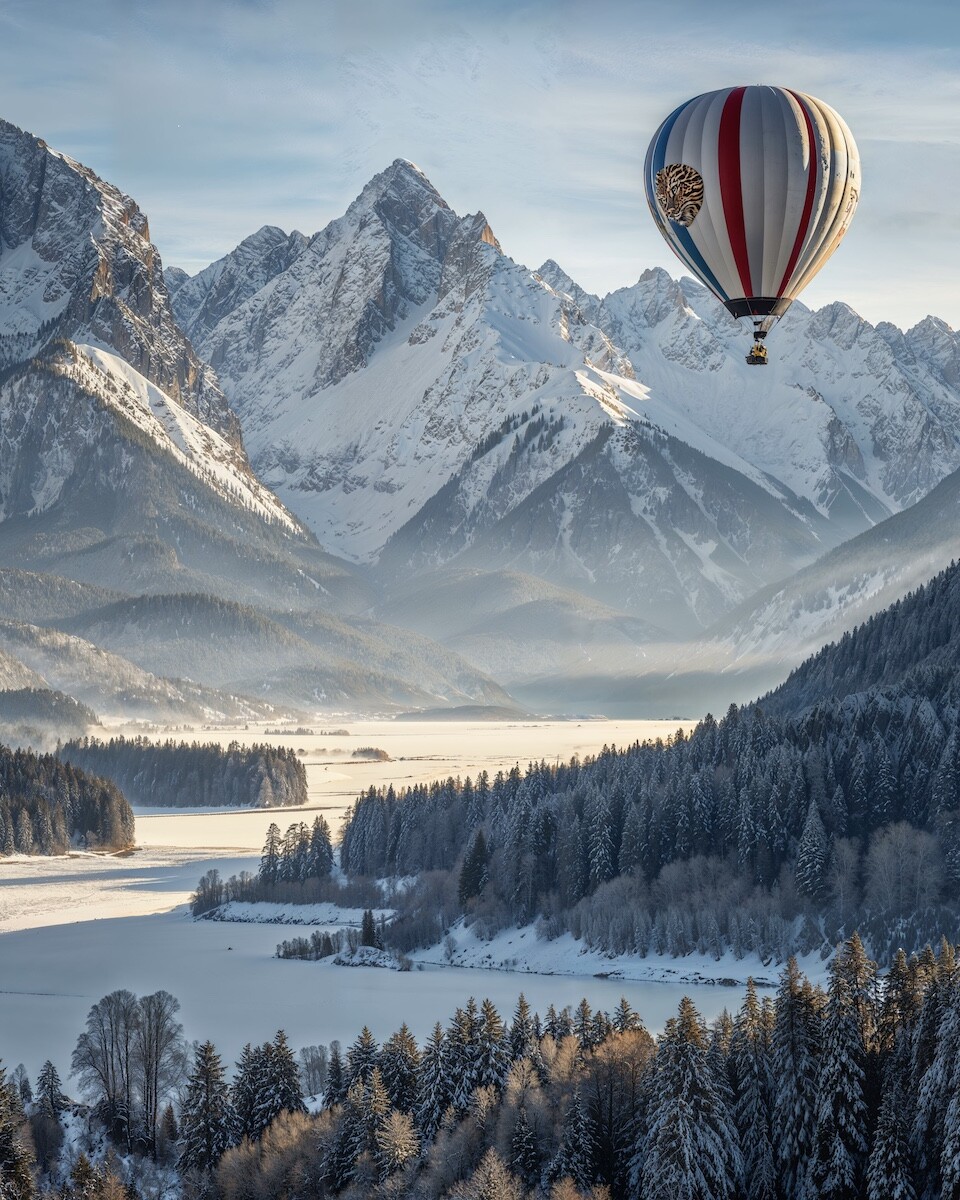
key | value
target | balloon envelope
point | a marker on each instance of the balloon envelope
(753, 188)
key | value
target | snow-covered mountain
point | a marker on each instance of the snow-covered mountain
(76, 263)
(422, 401)
(112, 426)
(122, 467)
(860, 420)
(426, 404)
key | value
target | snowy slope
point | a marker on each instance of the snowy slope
(203, 451)
(861, 420)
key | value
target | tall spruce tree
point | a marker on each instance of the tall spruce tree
(50, 1099)
(433, 1085)
(473, 874)
(336, 1089)
(399, 1060)
(574, 1159)
(752, 1069)
(890, 1170)
(16, 1161)
(840, 1137)
(813, 855)
(795, 1046)
(208, 1122)
(493, 1057)
(691, 1149)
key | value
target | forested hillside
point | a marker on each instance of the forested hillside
(754, 833)
(45, 707)
(916, 641)
(47, 805)
(188, 775)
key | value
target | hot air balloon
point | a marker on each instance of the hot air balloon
(753, 188)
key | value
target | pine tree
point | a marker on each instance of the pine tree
(691, 1148)
(348, 1142)
(522, 1036)
(374, 1108)
(840, 1138)
(399, 1060)
(625, 1019)
(321, 849)
(368, 929)
(795, 1049)
(276, 1085)
(16, 1162)
(50, 1099)
(244, 1092)
(583, 1029)
(271, 856)
(890, 1169)
(573, 1159)
(525, 1159)
(208, 1122)
(461, 1057)
(813, 855)
(336, 1089)
(362, 1057)
(750, 1053)
(473, 874)
(492, 1061)
(936, 1071)
(433, 1085)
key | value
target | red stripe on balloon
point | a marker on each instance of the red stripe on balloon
(731, 187)
(812, 158)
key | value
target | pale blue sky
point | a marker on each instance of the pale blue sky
(219, 116)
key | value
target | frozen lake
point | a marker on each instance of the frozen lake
(75, 928)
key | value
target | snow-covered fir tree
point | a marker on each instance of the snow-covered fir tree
(208, 1122)
(691, 1148)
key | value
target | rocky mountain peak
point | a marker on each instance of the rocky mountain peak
(934, 342)
(557, 278)
(76, 263)
(840, 324)
(653, 298)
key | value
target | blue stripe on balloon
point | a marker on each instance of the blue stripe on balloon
(695, 259)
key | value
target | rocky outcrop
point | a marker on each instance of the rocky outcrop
(76, 262)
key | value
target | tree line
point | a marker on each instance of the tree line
(194, 774)
(844, 1092)
(47, 806)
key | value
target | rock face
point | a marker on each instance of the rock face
(76, 263)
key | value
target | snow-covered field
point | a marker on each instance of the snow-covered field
(75, 928)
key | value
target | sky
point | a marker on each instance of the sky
(220, 116)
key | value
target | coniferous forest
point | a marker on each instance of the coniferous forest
(191, 774)
(777, 830)
(848, 1092)
(47, 805)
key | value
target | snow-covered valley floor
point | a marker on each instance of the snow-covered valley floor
(75, 928)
